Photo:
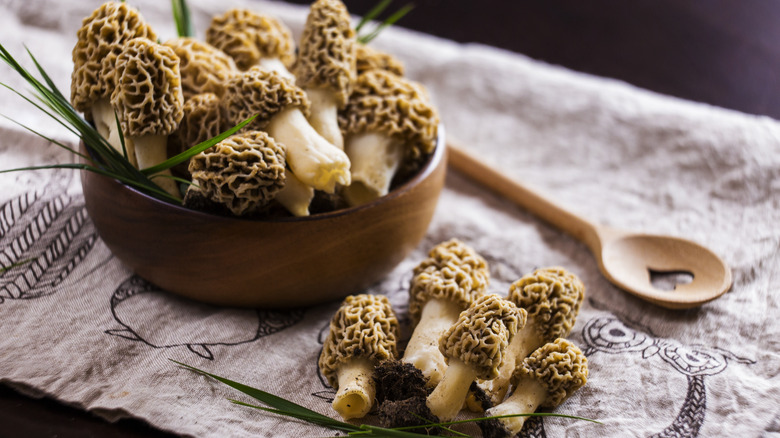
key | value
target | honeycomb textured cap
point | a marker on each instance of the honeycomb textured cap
(202, 120)
(453, 271)
(483, 331)
(326, 54)
(552, 297)
(365, 326)
(203, 67)
(247, 37)
(100, 40)
(368, 58)
(147, 97)
(382, 102)
(244, 172)
(262, 92)
(559, 366)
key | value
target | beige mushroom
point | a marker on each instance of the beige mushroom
(552, 298)
(244, 173)
(296, 196)
(100, 41)
(280, 107)
(363, 332)
(148, 102)
(475, 347)
(253, 39)
(444, 284)
(546, 378)
(326, 65)
(203, 67)
(368, 58)
(387, 120)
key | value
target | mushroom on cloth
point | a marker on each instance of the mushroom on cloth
(251, 39)
(326, 65)
(203, 67)
(444, 284)
(552, 297)
(388, 120)
(363, 332)
(281, 107)
(368, 58)
(100, 41)
(475, 347)
(149, 102)
(546, 378)
(243, 172)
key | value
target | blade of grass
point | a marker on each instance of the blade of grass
(50, 140)
(373, 13)
(182, 18)
(3, 269)
(389, 22)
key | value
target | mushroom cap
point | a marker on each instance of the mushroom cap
(552, 297)
(247, 37)
(147, 97)
(559, 366)
(365, 326)
(453, 271)
(202, 120)
(368, 58)
(203, 67)
(483, 331)
(243, 172)
(262, 92)
(100, 40)
(326, 53)
(382, 102)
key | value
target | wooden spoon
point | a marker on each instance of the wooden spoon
(627, 259)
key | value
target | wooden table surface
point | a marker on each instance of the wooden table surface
(725, 53)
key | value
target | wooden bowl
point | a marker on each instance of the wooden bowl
(275, 263)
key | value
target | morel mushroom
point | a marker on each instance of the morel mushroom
(149, 102)
(280, 107)
(368, 58)
(203, 67)
(363, 332)
(201, 120)
(326, 65)
(444, 284)
(475, 347)
(100, 41)
(552, 298)
(546, 378)
(387, 119)
(252, 39)
(243, 172)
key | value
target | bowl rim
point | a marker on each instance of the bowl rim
(428, 167)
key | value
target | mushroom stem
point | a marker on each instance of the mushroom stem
(422, 351)
(105, 122)
(375, 158)
(357, 390)
(312, 159)
(524, 343)
(275, 64)
(295, 196)
(447, 399)
(151, 150)
(526, 398)
(324, 115)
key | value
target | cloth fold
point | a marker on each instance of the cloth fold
(78, 326)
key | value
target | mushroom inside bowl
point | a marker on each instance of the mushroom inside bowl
(273, 263)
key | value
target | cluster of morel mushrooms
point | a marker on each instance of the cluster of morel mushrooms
(337, 123)
(468, 349)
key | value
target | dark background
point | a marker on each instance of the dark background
(721, 52)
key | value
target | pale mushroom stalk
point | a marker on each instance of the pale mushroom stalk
(295, 196)
(375, 159)
(422, 349)
(312, 159)
(324, 115)
(546, 378)
(363, 332)
(552, 297)
(276, 65)
(104, 118)
(475, 347)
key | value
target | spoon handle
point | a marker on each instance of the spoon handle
(513, 190)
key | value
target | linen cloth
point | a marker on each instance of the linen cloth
(77, 325)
